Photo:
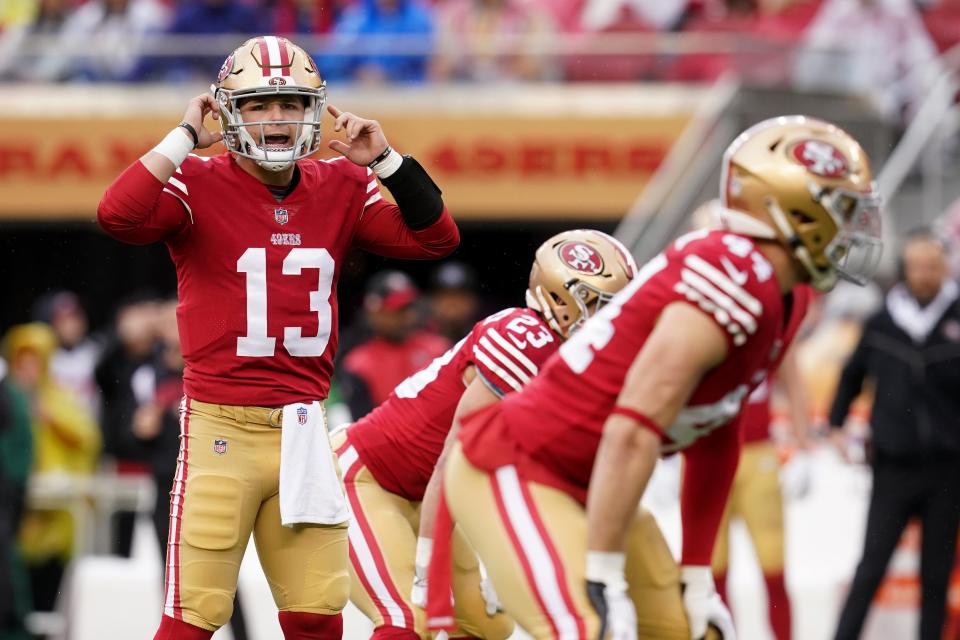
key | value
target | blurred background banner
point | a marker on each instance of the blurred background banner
(497, 152)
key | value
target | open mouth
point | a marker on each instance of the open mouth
(277, 142)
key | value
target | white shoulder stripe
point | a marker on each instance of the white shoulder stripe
(513, 351)
(498, 355)
(337, 159)
(371, 186)
(183, 202)
(204, 158)
(490, 364)
(375, 197)
(720, 279)
(720, 299)
(179, 185)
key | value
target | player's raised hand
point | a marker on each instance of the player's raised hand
(365, 140)
(197, 109)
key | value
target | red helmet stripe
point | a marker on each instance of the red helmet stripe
(264, 56)
(284, 57)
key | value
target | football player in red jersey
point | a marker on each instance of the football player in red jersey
(391, 459)
(258, 236)
(545, 484)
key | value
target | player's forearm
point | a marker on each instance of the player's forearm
(164, 159)
(708, 472)
(431, 498)
(439, 239)
(130, 206)
(417, 195)
(126, 209)
(386, 234)
(624, 462)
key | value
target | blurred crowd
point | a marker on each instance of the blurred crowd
(416, 41)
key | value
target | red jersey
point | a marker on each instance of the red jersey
(755, 419)
(552, 430)
(257, 278)
(400, 440)
(382, 364)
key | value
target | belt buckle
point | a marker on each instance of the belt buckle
(275, 418)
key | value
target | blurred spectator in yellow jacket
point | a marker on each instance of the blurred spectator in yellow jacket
(66, 441)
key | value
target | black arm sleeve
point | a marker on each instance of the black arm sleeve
(851, 381)
(416, 194)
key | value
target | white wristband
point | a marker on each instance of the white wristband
(607, 567)
(696, 574)
(176, 146)
(389, 165)
(424, 550)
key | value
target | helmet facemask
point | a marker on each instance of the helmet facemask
(853, 250)
(239, 139)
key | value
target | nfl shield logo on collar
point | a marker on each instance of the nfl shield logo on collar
(220, 447)
(281, 216)
(302, 415)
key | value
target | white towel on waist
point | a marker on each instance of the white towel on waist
(310, 490)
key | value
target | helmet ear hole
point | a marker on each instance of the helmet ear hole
(801, 217)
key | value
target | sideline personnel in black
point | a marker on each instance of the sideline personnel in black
(910, 349)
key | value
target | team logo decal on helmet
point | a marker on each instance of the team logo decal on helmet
(225, 69)
(574, 274)
(277, 81)
(821, 158)
(581, 257)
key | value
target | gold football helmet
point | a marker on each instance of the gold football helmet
(574, 274)
(807, 184)
(269, 65)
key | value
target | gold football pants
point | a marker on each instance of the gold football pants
(227, 487)
(383, 541)
(533, 540)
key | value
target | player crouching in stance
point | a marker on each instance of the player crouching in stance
(258, 235)
(388, 459)
(545, 484)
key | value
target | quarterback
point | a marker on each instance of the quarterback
(258, 236)
(545, 484)
(391, 459)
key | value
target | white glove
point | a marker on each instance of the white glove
(703, 605)
(719, 617)
(795, 476)
(607, 591)
(490, 598)
(418, 594)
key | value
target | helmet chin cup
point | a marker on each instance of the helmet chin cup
(275, 167)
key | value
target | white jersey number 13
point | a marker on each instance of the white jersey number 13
(257, 343)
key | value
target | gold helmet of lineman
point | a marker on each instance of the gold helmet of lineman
(574, 274)
(269, 65)
(807, 184)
